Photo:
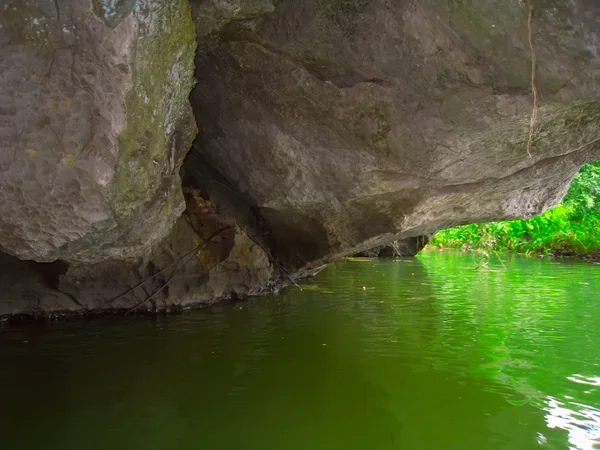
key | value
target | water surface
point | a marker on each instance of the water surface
(446, 351)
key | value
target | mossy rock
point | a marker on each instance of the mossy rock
(160, 123)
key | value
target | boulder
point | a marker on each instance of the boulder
(349, 124)
(94, 124)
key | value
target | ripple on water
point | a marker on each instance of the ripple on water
(444, 351)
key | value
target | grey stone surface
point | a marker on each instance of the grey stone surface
(349, 124)
(242, 269)
(94, 123)
(234, 269)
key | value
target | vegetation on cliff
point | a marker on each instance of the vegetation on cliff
(570, 228)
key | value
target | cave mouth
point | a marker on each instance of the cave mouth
(399, 248)
(28, 287)
(568, 229)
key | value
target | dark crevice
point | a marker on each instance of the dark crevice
(402, 248)
(31, 286)
(50, 272)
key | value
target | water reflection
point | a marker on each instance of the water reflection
(439, 352)
(581, 379)
(530, 337)
(582, 422)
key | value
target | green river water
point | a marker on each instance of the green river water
(438, 352)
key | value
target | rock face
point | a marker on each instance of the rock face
(233, 267)
(348, 124)
(94, 124)
(326, 128)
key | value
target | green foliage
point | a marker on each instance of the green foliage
(570, 228)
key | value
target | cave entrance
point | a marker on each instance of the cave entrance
(568, 229)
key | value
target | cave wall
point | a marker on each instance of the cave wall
(348, 124)
(318, 128)
(94, 124)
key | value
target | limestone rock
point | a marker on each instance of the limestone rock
(94, 124)
(349, 124)
(326, 127)
(174, 277)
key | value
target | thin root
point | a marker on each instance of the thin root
(534, 90)
(145, 280)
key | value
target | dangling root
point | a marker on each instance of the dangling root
(534, 90)
(145, 280)
(159, 290)
(271, 258)
(192, 256)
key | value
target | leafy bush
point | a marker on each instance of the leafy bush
(569, 228)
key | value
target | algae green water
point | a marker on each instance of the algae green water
(438, 352)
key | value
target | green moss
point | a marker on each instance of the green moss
(160, 124)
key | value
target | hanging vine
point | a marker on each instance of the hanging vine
(534, 89)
